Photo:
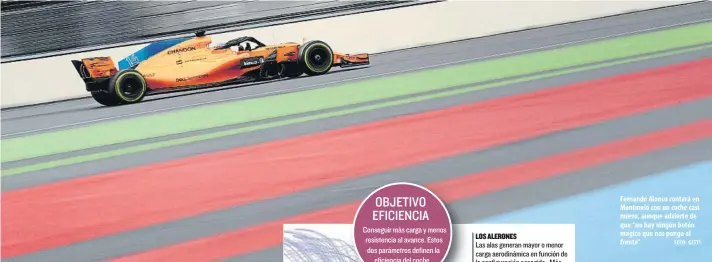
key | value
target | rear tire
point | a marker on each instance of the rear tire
(126, 87)
(105, 98)
(129, 86)
(316, 57)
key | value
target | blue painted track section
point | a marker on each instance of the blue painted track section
(147, 52)
(597, 218)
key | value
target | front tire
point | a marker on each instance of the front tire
(316, 57)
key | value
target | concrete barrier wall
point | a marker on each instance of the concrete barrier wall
(54, 78)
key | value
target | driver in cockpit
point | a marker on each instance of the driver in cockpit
(247, 47)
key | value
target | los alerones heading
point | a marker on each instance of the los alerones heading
(496, 236)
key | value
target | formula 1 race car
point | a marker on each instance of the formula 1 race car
(195, 62)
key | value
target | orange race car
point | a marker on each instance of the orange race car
(195, 62)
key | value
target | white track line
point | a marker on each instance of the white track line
(288, 90)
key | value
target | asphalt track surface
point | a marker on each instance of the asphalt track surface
(465, 203)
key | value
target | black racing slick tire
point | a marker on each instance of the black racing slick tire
(126, 87)
(316, 57)
(104, 98)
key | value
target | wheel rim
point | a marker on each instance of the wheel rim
(319, 59)
(131, 88)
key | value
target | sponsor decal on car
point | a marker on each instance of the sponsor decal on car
(149, 75)
(181, 50)
(196, 59)
(185, 79)
(252, 61)
(291, 56)
(99, 73)
(181, 61)
(356, 57)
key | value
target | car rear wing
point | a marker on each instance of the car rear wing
(348, 60)
(93, 68)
